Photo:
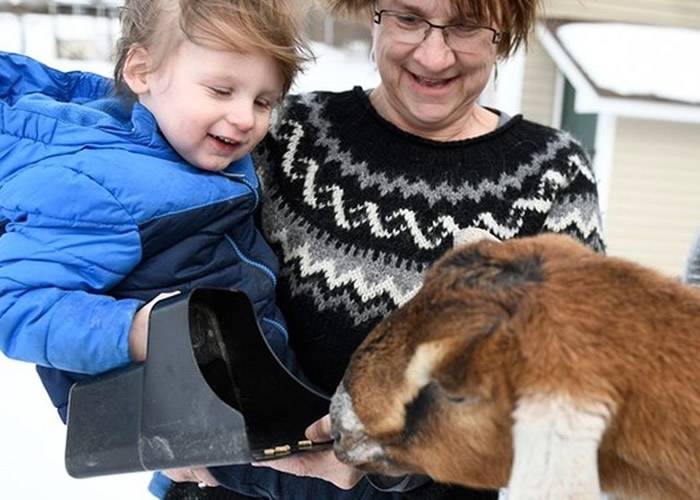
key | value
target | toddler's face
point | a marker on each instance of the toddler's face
(213, 106)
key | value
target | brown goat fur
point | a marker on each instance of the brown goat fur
(437, 385)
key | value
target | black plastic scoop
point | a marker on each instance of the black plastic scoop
(211, 392)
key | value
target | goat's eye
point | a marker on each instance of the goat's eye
(455, 399)
(460, 399)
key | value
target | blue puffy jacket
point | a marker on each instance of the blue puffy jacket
(98, 215)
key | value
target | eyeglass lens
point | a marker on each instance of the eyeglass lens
(408, 28)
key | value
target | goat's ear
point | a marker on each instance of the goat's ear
(476, 267)
(439, 362)
(458, 374)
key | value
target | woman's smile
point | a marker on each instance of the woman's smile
(431, 86)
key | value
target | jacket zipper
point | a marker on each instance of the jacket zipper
(262, 267)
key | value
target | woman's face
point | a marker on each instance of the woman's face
(428, 88)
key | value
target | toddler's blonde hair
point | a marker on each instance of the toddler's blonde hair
(271, 26)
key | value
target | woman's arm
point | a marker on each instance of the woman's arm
(575, 209)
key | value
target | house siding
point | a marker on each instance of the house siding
(539, 85)
(665, 12)
(654, 205)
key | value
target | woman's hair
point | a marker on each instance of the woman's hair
(271, 26)
(515, 18)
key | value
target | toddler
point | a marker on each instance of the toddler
(115, 193)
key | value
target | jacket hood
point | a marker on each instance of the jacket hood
(44, 111)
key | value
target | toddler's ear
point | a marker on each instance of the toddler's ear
(136, 69)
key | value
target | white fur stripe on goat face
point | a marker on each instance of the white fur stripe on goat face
(352, 443)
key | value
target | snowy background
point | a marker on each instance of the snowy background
(32, 440)
(32, 437)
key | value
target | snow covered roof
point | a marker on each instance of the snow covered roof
(628, 69)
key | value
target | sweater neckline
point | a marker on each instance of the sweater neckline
(363, 98)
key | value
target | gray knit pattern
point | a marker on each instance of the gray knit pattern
(358, 210)
(692, 270)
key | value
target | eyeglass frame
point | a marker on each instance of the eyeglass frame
(495, 39)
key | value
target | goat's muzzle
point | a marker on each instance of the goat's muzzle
(351, 444)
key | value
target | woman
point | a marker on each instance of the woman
(365, 189)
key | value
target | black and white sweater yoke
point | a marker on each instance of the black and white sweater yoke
(358, 209)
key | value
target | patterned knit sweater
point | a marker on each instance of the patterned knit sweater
(358, 209)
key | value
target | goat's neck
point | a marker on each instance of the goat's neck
(556, 449)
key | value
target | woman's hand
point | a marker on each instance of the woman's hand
(201, 476)
(318, 464)
(138, 333)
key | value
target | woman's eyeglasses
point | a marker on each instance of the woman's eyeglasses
(409, 28)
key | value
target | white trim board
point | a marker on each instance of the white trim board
(588, 100)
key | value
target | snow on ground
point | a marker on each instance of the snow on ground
(637, 60)
(32, 437)
(32, 440)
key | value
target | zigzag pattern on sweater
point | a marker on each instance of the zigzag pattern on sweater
(341, 300)
(388, 226)
(334, 279)
(404, 220)
(325, 267)
(570, 211)
(357, 210)
(406, 188)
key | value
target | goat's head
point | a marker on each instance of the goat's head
(430, 389)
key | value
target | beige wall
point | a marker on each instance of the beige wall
(654, 205)
(538, 85)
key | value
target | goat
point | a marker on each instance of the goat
(534, 363)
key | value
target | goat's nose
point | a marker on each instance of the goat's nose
(351, 444)
(346, 428)
(338, 409)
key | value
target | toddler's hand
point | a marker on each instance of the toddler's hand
(138, 334)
